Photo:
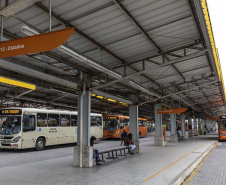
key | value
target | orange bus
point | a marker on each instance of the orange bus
(115, 124)
(222, 127)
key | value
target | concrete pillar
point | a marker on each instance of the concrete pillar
(199, 126)
(84, 104)
(195, 126)
(84, 151)
(158, 139)
(183, 129)
(133, 119)
(208, 125)
(173, 135)
(190, 133)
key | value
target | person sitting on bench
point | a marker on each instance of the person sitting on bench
(129, 142)
(95, 151)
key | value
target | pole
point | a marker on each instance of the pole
(50, 15)
(1, 37)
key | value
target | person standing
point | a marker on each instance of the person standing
(129, 142)
(123, 136)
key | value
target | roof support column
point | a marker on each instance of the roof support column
(195, 126)
(158, 139)
(183, 129)
(173, 135)
(200, 126)
(190, 134)
(133, 119)
(83, 152)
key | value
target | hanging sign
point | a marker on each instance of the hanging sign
(171, 111)
(209, 117)
(34, 44)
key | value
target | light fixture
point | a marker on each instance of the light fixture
(29, 31)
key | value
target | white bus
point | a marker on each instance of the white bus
(22, 128)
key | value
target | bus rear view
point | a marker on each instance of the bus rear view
(222, 127)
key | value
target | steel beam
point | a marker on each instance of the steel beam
(16, 7)
(126, 12)
(17, 96)
(199, 53)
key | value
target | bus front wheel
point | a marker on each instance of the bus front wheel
(40, 144)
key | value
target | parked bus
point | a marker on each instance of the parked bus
(22, 128)
(222, 127)
(115, 124)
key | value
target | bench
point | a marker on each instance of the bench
(113, 151)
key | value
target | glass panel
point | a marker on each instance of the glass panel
(121, 123)
(10, 125)
(73, 120)
(53, 120)
(112, 124)
(65, 120)
(28, 123)
(126, 122)
(95, 121)
(41, 120)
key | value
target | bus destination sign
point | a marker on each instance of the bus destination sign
(111, 117)
(223, 117)
(11, 112)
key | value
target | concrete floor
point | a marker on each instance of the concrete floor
(54, 165)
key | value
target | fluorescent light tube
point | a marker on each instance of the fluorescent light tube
(29, 31)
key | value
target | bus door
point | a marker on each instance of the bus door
(65, 131)
(53, 129)
(96, 128)
(126, 125)
(28, 130)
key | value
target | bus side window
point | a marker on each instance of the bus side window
(65, 120)
(73, 120)
(121, 123)
(28, 123)
(53, 120)
(95, 121)
(41, 120)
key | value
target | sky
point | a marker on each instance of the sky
(217, 13)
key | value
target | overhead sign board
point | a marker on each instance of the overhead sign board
(34, 44)
(171, 111)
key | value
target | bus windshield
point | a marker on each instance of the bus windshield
(223, 124)
(111, 124)
(10, 125)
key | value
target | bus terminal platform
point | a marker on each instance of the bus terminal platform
(170, 164)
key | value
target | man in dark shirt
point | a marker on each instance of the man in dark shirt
(95, 151)
(123, 136)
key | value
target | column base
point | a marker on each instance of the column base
(190, 134)
(159, 141)
(87, 156)
(138, 148)
(173, 138)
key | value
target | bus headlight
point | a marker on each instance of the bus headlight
(16, 139)
(116, 132)
(222, 134)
